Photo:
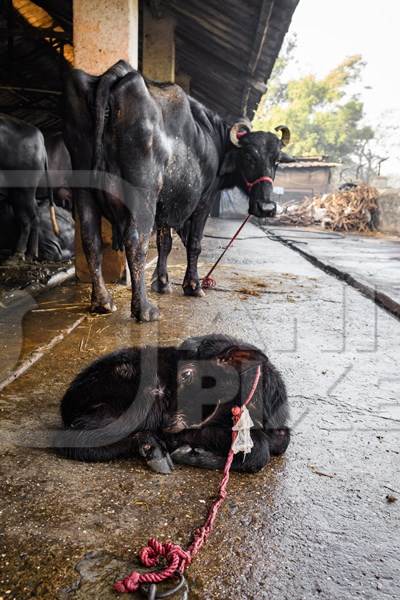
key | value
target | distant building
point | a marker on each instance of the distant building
(307, 176)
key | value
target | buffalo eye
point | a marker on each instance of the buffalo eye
(186, 376)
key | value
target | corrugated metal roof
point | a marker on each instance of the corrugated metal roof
(227, 48)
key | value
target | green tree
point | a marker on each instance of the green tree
(325, 118)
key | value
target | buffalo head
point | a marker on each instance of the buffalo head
(254, 161)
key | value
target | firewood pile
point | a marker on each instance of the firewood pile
(347, 210)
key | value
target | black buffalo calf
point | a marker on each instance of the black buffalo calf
(153, 401)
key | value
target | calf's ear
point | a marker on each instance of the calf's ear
(238, 356)
(228, 164)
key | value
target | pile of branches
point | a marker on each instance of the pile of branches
(347, 210)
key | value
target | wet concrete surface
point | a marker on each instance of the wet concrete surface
(370, 262)
(315, 523)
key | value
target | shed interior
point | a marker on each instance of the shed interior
(228, 50)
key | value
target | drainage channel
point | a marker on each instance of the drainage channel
(379, 298)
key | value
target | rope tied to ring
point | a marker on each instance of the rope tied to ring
(150, 556)
(176, 557)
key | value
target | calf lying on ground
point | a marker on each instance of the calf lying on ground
(154, 400)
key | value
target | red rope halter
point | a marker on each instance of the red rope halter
(178, 559)
(251, 184)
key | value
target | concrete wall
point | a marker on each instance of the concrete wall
(388, 218)
(302, 182)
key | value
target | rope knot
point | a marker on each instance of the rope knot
(150, 554)
(208, 283)
(177, 560)
(236, 412)
(128, 584)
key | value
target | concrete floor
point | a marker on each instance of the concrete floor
(316, 523)
(369, 262)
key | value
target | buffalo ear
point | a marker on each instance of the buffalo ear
(286, 158)
(228, 164)
(238, 356)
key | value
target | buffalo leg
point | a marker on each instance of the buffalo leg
(142, 444)
(33, 244)
(27, 215)
(191, 283)
(208, 448)
(136, 251)
(160, 282)
(90, 225)
(153, 450)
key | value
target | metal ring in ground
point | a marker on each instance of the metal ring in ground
(152, 594)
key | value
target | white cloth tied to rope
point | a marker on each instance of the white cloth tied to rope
(243, 442)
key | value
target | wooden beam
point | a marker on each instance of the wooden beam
(264, 20)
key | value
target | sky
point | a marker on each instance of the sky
(329, 30)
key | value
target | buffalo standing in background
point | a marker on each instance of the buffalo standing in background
(23, 163)
(158, 157)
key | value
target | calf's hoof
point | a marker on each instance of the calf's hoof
(193, 288)
(161, 464)
(161, 287)
(146, 313)
(155, 454)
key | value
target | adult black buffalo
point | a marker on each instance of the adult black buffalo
(159, 156)
(23, 163)
(145, 401)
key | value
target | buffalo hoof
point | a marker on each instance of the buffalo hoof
(148, 312)
(160, 287)
(103, 308)
(193, 289)
(16, 260)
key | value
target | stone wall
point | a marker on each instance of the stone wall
(388, 217)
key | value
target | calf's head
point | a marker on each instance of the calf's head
(254, 162)
(212, 372)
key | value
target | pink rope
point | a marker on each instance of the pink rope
(209, 282)
(178, 559)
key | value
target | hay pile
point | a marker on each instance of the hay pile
(350, 210)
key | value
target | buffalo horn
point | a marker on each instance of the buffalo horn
(239, 127)
(285, 131)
